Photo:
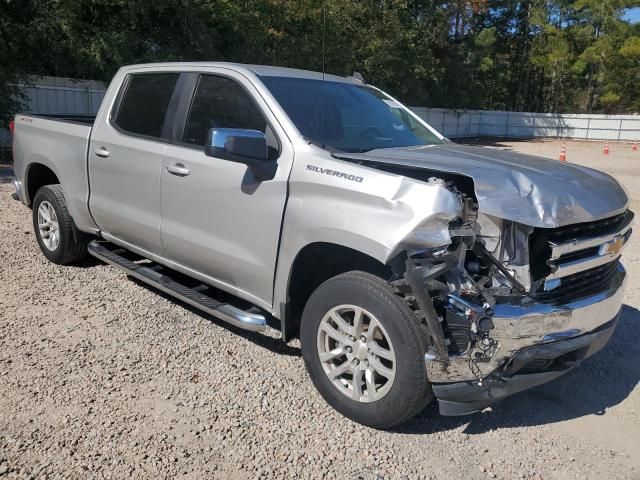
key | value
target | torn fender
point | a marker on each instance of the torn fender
(380, 215)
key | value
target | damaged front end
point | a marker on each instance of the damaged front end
(508, 306)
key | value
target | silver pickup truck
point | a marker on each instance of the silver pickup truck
(408, 266)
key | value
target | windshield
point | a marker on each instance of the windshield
(346, 117)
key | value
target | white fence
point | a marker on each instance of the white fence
(486, 123)
(59, 96)
(55, 95)
(62, 96)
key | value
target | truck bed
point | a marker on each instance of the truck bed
(60, 143)
(81, 119)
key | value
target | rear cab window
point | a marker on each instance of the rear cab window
(144, 104)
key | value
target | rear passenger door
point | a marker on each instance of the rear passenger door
(219, 220)
(125, 160)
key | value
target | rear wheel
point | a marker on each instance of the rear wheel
(59, 239)
(364, 350)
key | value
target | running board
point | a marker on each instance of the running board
(112, 254)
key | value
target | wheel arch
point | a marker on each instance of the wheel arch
(314, 264)
(37, 175)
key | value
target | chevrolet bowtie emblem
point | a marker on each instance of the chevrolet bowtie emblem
(613, 247)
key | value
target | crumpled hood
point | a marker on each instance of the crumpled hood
(530, 190)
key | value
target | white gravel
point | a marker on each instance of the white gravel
(101, 377)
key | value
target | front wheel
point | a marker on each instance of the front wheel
(364, 350)
(59, 239)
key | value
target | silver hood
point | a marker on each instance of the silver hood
(531, 190)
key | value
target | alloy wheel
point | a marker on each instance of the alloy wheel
(48, 226)
(356, 353)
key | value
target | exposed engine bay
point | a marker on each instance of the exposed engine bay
(454, 288)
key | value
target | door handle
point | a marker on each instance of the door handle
(178, 169)
(102, 152)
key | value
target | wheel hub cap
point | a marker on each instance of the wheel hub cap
(361, 352)
(356, 353)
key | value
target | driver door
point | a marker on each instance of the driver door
(218, 219)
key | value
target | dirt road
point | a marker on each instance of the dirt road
(100, 377)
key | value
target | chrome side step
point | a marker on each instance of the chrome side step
(151, 274)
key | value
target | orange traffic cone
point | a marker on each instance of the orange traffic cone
(563, 153)
(634, 147)
(606, 148)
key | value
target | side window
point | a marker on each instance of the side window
(220, 102)
(145, 103)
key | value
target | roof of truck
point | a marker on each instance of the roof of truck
(260, 70)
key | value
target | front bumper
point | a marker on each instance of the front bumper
(526, 333)
(462, 398)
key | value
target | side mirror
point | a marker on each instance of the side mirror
(242, 146)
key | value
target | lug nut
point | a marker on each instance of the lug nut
(363, 338)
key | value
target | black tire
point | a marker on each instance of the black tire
(72, 245)
(410, 391)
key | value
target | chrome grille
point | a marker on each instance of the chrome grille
(580, 284)
(578, 260)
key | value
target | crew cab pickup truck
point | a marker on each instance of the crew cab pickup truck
(409, 267)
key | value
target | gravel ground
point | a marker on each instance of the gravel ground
(102, 377)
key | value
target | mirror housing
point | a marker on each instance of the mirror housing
(242, 146)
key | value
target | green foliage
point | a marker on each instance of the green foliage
(539, 55)
(631, 48)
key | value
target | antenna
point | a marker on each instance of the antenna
(322, 98)
(324, 28)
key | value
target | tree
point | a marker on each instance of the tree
(540, 55)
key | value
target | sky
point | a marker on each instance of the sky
(632, 15)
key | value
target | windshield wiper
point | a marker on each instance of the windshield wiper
(332, 149)
(323, 146)
(359, 150)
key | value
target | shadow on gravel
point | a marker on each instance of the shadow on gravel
(6, 172)
(601, 382)
(87, 262)
(494, 142)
